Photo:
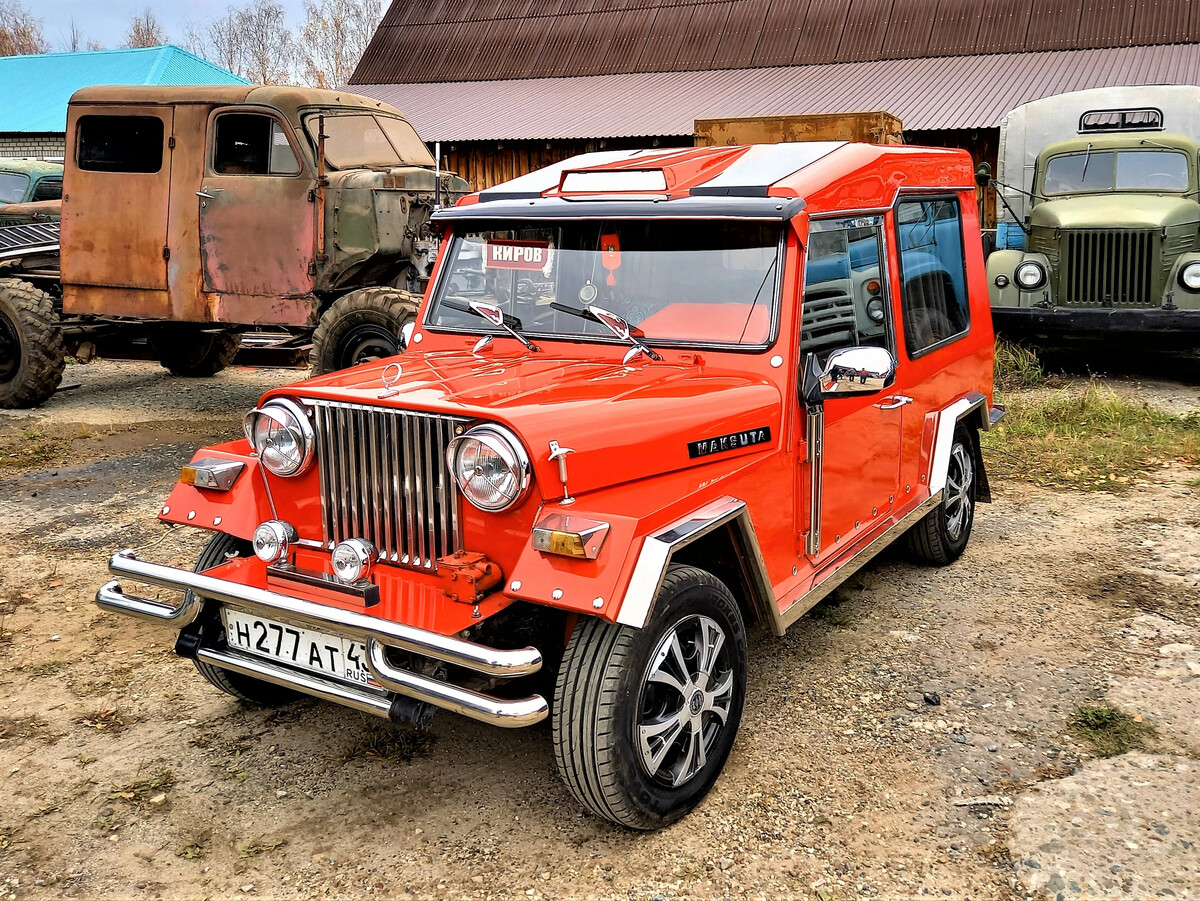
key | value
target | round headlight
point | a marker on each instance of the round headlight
(1030, 275)
(1189, 276)
(352, 559)
(280, 432)
(271, 540)
(875, 309)
(490, 466)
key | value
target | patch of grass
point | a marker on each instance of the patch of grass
(48, 668)
(139, 793)
(1110, 731)
(263, 847)
(1094, 439)
(390, 743)
(192, 851)
(26, 727)
(1017, 366)
(31, 450)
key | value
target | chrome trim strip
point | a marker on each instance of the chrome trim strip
(469, 655)
(816, 459)
(944, 440)
(995, 414)
(494, 711)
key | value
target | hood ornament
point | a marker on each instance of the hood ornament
(559, 454)
(391, 375)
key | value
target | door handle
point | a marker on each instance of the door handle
(898, 400)
(213, 196)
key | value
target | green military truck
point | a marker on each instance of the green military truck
(1099, 230)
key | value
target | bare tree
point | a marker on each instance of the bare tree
(252, 41)
(145, 30)
(20, 32)
(334, 37)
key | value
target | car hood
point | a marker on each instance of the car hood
(1108, 211)
(623, 423)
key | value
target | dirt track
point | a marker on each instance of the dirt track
(127, 775)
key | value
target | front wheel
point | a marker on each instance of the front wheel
(941, 536)
(644, 719)
(193, 352)
(361, 327)
(32, 355)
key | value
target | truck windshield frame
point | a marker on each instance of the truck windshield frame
(362, 138)
(1113, 170)
(711, 283)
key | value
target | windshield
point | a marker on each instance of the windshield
(1119, 170)
(12, 187)
(673, 281)
(368, 140)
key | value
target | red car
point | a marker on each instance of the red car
(651, 397)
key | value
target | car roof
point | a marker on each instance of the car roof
(287, 99)
(35, 169)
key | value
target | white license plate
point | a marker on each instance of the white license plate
(307, 649)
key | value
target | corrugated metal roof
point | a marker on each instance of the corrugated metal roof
(36, 88)
(955, 92)
(455, 40)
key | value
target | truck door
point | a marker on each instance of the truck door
(257, 222)
(847, 303)
(114, 217)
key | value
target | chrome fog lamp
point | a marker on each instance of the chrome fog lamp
(1030, 275)
(1189, 276)
(271, 540)
(490, 466)
(352, 560)
(279, 431)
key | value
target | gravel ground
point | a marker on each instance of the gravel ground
(909, 738)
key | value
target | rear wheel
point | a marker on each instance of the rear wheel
(942, 535)
(32, 355)
(195, 353)
(644, 719)
(361, 327)
(245, 688)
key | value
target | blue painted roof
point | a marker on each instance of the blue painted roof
(36, 88)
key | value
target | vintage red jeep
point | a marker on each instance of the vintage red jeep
(651, 396)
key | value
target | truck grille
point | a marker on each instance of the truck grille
(384, 478)
(828, 318)
(1109, 268)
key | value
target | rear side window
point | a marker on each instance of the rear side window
(48, 189)
(252, 144)
(933, 273)
(119, 143)
(13, 186)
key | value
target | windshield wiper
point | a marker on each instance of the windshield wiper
(614, 324)
(495, 316)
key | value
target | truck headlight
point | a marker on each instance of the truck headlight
(1030, 275)
(1189, 276)
(281, 434)
(490, 466)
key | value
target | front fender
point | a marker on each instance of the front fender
(1005, 262)
(1183, 298)
(238, 511)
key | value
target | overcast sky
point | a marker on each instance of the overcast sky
(107, 21)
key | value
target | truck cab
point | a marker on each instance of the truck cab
(618, 438)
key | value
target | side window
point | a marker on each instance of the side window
(845, 291)
(48, 189)
(119, 143)
(252, 144)
(933, 273)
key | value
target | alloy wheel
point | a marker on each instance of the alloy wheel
(960, 480)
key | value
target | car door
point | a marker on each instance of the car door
(257, 225)
(847, 303)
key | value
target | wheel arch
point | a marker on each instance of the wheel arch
(974, 413)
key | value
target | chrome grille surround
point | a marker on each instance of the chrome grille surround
(383, 478)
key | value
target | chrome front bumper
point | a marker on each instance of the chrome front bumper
(378, 635)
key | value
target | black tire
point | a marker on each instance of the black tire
(361, 327)
(32, 354)
(244, 688)
(193, 353)
(942, 535)
(605, 697)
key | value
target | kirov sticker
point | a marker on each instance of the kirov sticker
(732, 441)
(527, 255)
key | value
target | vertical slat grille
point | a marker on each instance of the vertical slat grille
(383, 478)
(1109, 268)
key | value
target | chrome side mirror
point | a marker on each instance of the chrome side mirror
(857, 370)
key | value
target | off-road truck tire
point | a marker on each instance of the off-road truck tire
(363, 325)
(193, 353)
(941, 535)
(614, 692)
(32, 353)
(242, 687)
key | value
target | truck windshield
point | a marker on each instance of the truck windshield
(353, 140)
(12, 187)
(673, 281)
(1119, 170)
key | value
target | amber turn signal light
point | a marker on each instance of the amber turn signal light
(569, 536)
(211, 473)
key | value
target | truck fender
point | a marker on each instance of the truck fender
(1184, 299)
(1004, 263)
(238, 511)
(972, 410)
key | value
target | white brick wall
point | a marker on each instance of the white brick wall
(37, 146)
